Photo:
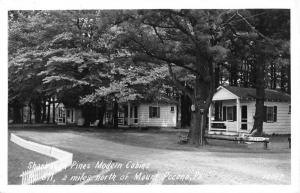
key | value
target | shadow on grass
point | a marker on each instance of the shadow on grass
(19, 159)
(159, 139)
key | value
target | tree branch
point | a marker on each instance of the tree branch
(163, 58)
(252, 27)
(183, 30)
(158, 35)
(178, 83)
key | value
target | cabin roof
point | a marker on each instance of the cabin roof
(250, 93)
(160, 100)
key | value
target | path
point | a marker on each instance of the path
(212, 167)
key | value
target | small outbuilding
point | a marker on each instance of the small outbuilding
(233, 108)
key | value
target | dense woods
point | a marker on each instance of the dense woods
(90, 58)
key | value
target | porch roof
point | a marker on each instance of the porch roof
(250, 93)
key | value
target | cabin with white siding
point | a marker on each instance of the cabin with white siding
(233, 108)
(68, 115)
(148, 114)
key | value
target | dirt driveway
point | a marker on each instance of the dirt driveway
(211, 166)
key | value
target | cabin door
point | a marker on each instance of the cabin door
(70, 115)
(244, 118)
(134, 114)
(61, 118)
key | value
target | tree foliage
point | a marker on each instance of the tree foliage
(88, 57)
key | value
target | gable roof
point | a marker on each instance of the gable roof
(250, 93)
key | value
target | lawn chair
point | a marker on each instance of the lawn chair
(95, 124)
(80, 122)
(184, 138)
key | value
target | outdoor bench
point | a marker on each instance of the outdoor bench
(240, 139)
(184, 139)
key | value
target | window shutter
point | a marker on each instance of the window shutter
(234, 113)
(150, 112)
(265, 114)
(158, 112)
(224, 113)
(275, 113)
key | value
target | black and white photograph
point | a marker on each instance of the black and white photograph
(149, 97)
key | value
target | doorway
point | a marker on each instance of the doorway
(61, 118)
(244, 118)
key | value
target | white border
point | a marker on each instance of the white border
(294, 5)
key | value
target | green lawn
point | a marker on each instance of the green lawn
(19, 159)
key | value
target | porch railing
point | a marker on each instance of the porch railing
(218, 126)
(124, 121)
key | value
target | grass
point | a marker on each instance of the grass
(163, 140)
(66, 137)
(19, 159)
(169, 141)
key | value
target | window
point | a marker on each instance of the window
(172, 109)
(61, 112)
(270, 113)
(229, 113)
(154, 112)
(289, 109)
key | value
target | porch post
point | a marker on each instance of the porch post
(237, 115)
(209, 117)
(128, 113)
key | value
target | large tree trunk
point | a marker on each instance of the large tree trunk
(217, 76)
(16, 112)
(37, 110)
(260, 96)
(195, 126)
(273, 76)
(30, 113)
(44, 111)
(102, 111)
(289, 79)
(233, 74)
(185, 111)
(283, 79)
(199, 111)
(115, 114)
(53, 111)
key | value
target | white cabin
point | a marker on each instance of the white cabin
(143, 114)
(66, 115)
(233, 108)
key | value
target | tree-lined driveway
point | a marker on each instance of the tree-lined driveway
(211, 167)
